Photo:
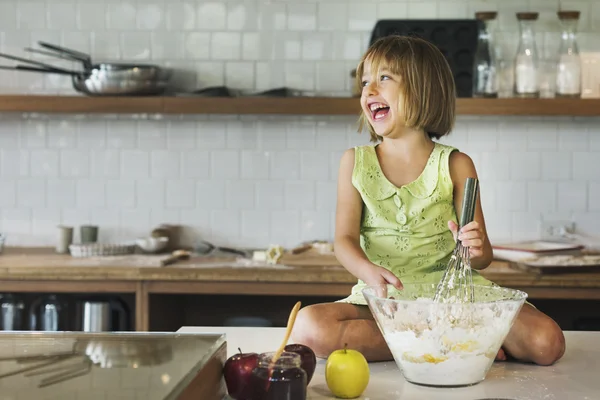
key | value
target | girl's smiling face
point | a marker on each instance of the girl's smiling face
(380, 99)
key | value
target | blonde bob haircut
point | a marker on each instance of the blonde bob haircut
(428, 92)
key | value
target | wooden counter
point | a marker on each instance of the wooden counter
(41, 270)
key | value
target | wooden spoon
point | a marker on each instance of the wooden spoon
(288, 332)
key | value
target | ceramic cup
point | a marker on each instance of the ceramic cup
(65, 239)
(88, 233)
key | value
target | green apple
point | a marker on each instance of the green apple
(347, 373)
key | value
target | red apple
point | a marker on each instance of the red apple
(237, 372)
(309, 360)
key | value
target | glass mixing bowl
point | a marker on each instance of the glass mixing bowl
(443, 344)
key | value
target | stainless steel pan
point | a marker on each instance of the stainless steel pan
(106, 80)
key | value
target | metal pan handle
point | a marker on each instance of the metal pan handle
(85, 58)
(48, 67)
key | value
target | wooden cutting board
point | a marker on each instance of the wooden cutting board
(560, 264)
(310, 258)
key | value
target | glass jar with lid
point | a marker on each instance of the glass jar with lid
(526, 65)
(485, 80)
(568, 68)
(285, 380)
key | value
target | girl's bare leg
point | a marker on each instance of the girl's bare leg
(328, 327)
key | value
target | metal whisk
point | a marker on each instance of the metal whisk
(456, 285)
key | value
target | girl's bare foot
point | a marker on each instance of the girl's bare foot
(501, 356)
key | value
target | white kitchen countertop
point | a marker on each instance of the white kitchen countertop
(574, 377)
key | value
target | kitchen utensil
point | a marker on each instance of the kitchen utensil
(112, 70)
(288, 332)
(435, 351)
(88, 234)
(65, 239)
(457, 282)
(12, 311)
(101, 249)
(104, 79)
(152, 244)
(455, 38)
(102, 314)
(206, 248)
(48, 313)
(176, 256)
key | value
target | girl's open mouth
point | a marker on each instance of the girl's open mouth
(379, 111)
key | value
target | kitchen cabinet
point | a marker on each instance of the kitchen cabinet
(169, 292)
(276, 105)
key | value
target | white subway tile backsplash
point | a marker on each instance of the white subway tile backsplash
(255, 164)
(586, 166)
(300, 195)
(181, 15)
(8, 194)
(8, 15)
(150, 193)
(556, 166)
(91, 16)
(120, 193)
(524, 166)
(31, 15)
(135, 164)
(165, 164)
(594, 196)
(15, 163)
(106, 163)
(511, 196)
(44, 163)
(572, 196)
(241, 195)
(90, 193)
(121, 135)
(242, 16)
(361, 16)
(273, 17)
(211, 194)
(121, 15)
(181, 193)
(313, 166)
(285, 165)
(542, 196)
(525, 225)
(211, 16)
(270, 195)
(225, 164)
(225, 225)
(74, 163)
(150, 15)
(60, 193)
(195, 164)
(302, 16)
(223, 176)
(315, 225)
(332, 16)
(226, 46)
(31, 193)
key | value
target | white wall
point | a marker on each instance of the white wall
(258, 180)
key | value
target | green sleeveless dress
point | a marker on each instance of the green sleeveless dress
(405, 229)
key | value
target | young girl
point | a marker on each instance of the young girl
(397, 205)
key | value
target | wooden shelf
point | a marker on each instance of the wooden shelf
(276, 106)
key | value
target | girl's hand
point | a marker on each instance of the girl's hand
(470, 235)
(381, 276)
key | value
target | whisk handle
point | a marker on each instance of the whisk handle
(469, 201)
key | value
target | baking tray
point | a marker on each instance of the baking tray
(559, 264)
